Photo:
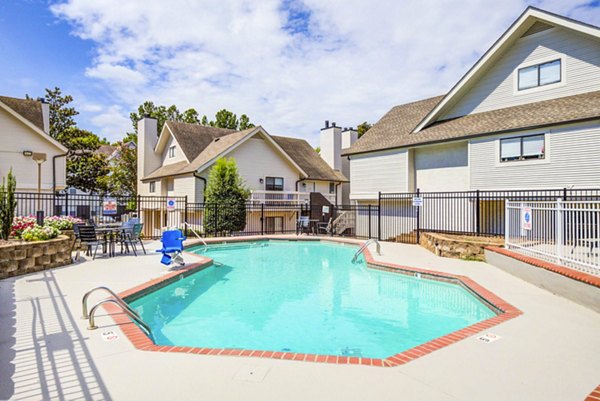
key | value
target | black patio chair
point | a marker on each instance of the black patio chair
(87, 235)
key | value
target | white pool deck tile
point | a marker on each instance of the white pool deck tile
(551, 352)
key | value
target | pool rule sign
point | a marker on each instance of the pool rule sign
(526, 218)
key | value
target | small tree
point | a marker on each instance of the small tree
(225, 198)
(8, 204)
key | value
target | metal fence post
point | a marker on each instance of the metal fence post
(418, 219)
(379, 216)
(139, 200)
(477, 215)
(262, 219)
(506, 223)
(66, 203)
(216, 220)
(185, 213)
(369, 221)
(559, 230)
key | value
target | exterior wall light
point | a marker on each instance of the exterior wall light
(27, 153)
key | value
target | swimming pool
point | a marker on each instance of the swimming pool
(304, 297)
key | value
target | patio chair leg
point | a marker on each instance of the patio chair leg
(95, 251)
(133, 247)
(142, 245)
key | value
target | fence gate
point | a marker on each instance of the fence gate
(562, 232)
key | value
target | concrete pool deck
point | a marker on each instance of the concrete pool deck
(551, 352)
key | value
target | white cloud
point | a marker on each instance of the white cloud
(112, 122)
(346, 61)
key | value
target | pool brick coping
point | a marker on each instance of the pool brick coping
(594, 395)
(141, 341)
(562, 270)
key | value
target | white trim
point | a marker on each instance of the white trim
(514, 32)
(531, 63)
(161, 143)
(33, 127)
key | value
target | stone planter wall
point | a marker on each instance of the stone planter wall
(458, 246)
(20, 257)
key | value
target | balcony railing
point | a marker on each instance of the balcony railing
(280, 197)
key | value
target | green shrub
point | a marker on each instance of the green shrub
(37, 233)
(8, 204)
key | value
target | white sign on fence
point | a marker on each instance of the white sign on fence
(171, 202)
(526, 218)
(325, 209)
(417, 201)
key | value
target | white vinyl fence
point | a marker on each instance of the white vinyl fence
(562, 232)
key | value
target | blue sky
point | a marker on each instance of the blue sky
(288, 64)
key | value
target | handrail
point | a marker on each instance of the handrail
(111, 292)
(197, 235)
(365, 246)
(130, 312)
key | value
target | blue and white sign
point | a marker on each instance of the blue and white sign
(171, 203)
(526, 218)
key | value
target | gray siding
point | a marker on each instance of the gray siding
(442, 167)
(378, 171)
(496, 89)
(572, 159)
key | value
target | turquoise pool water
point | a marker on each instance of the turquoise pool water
(304, 297)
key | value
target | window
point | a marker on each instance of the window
(152, 187)
(171, 152)
(72, 191)
(539, 75)
(273, 225)
(522, 148)
(274, 184)
(331, 188)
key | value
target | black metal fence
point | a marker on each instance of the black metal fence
(467, 212)
(399, 217)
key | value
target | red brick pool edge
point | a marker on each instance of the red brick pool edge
(141, 341)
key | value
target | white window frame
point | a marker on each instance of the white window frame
(171, 151)
(152, 187)
(531, 63)
(526, 162)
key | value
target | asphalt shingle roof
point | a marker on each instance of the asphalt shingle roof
(31, 110)
(308, 159)
(395, 129)
(201, 144)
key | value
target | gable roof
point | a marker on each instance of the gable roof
(194, 138)
(106, 150)
(30, 113)
(394, 129)
(526, 21)
(315, 167)
(29, 109)
(202, 145)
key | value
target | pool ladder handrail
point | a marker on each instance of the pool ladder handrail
(197, 235)
(365, 246)
(116, 300)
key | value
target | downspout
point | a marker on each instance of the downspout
(54, 170)
(298, 182)
(205, 183)
(336, 192)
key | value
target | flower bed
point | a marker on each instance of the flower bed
(26, 228)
